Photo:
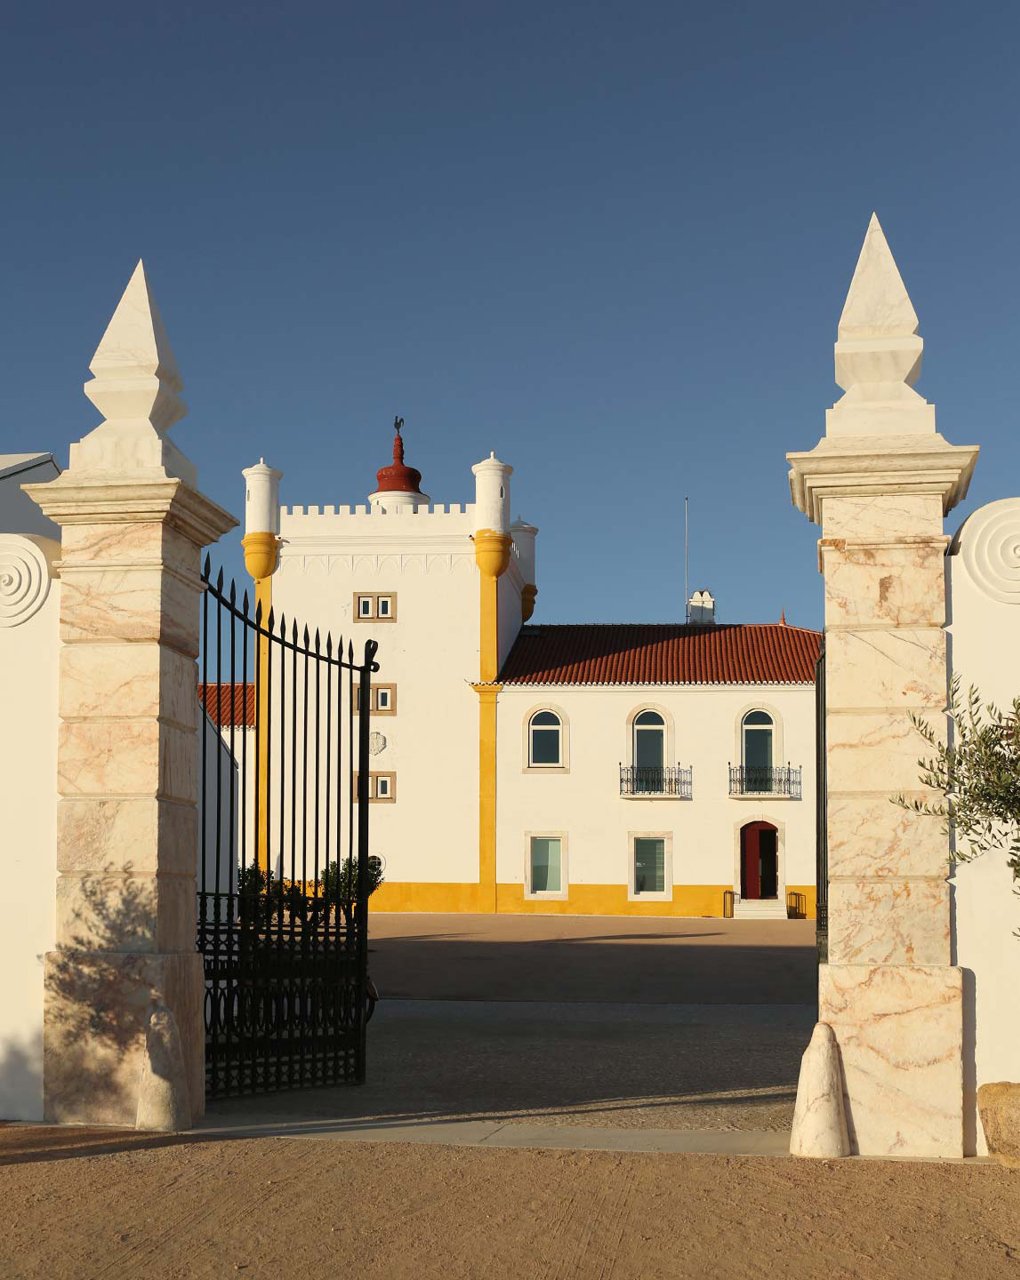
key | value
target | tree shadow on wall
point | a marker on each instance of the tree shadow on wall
(99, 992)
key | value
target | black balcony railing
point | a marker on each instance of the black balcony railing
(666, 780)
(752, 780)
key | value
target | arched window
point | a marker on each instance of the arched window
(757, 731)
(649, 752)
(545, 740)
(649, 740)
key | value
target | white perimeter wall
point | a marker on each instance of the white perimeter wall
(984, 590)
(585, 802)
(29, 643)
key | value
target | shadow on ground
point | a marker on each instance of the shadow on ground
(577, 959)
(676, 1025)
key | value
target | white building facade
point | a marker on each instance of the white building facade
(647, 770)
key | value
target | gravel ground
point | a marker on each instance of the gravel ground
(274, 1208)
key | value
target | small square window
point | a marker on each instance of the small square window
(382, 697)
(385, 607)
(365, 606)
(381, 786)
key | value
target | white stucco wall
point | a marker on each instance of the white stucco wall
(219, 809)
(584, 801)
(983, 570)
(29, 647)
(426, 560)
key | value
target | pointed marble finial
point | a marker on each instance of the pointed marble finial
(877, 304)
(878, 350)
(136, 374)
(136, 386)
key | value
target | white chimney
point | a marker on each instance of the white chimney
(701, 609)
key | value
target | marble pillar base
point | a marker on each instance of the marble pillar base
(98, 1005)
(900, 1035)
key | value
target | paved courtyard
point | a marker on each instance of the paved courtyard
(543, 1021)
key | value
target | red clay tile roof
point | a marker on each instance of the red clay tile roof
(638, 653)
(222, 708)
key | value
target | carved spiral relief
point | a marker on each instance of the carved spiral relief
(24, 580)
(991, 550)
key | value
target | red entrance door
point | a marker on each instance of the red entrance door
(758, 861)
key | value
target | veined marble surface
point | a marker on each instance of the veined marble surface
(900, 1033)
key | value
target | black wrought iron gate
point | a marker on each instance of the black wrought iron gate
(283, 849)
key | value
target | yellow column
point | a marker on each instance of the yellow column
(492, 555)
(260, 559)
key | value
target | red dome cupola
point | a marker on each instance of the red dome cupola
(398, 480)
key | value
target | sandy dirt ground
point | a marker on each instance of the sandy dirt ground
(694, 1024)
(281, 1208)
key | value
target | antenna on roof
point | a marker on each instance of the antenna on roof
(687, 585)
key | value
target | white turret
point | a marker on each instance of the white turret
(262, 498)
(524, 535)
(492, 494)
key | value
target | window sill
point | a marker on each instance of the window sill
(764, 795)
(546, 768)
(649, 897)
(546, 897)
(654, 795)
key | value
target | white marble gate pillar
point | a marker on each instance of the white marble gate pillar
(879, 483)
(133, 525)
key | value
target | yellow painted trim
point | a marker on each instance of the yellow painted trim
(261, 557)
(468, 898)
(698, 900)
(263, 597)
(492, 556)
(488, 696)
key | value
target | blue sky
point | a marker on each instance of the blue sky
(609, 241)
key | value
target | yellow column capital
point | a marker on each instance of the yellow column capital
(261, 554)
(492, 552)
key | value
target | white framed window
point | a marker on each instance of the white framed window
(375, 606)
(383, 699)
(545, 741)
(757, 735)
(651, 866)
(382, 788)
(649, 740)
(546, 870)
